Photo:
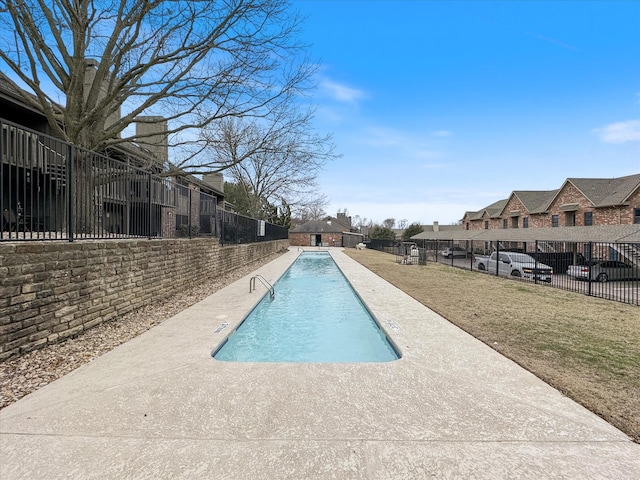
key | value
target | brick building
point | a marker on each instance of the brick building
(330, 232)
(578, 202)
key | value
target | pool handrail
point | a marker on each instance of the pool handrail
(252, 285)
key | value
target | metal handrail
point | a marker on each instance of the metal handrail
(252, 285)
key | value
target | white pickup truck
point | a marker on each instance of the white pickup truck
(514, 264)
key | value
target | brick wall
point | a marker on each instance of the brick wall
(53, 290)
(304, 239)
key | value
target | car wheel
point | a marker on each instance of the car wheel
(481, 267)
(516, 273)
(602, 277)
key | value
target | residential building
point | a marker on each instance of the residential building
(128, 183)
(578, 202)
(330, 232)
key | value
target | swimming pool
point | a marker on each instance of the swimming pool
(315, 316)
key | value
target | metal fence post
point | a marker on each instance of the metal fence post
(535, 264)
(452, 252)
(590, 264)
(190, 200)
(221, 227)
(149, 205)
(70, 192)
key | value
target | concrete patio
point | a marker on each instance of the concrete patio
(160, 407)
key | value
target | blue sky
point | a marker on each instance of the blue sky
(439, 107)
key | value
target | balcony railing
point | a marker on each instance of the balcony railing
(52, 190)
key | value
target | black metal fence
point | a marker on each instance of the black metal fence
(600, 269)
(52, 190)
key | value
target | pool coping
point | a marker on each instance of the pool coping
(159, 406)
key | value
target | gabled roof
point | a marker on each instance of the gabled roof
(493, 210)
(601, 192)
(318, 226)
(606, 192)
(535, 201)
(337, 223)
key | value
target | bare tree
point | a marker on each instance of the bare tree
(311, 208)
(273, 161)
(94, 66)
(389, 223)
(402, 224)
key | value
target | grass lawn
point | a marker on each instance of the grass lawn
(587, 348)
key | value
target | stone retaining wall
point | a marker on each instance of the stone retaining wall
(53, 290)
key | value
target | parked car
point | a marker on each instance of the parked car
(604, 270)
(515, 264)
(456, 251)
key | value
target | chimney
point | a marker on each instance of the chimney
(215, 181)
(90, 70)
(153, 133)
(436, 227)
(343, 219)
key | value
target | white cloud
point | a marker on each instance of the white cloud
(340, 92)
(620, 132)
(441, 133)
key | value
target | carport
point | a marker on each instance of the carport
(596, 233)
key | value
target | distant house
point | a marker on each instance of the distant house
(330, 232)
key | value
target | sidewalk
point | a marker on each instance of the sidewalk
(160, 407)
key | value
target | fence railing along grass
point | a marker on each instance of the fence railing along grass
(608, 270)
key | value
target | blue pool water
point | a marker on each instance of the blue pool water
(315, 316)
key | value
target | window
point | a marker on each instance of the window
(636, 215)
(525, 222)
(486, 224)
(467, 226)
(515, 222)
(588, 219)
(554, 220)
(505, 223)
(181, 220)
(570, 219)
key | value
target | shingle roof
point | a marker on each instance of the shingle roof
(441, 228)
(493, 210)
(604, 192)
(318, 226)
(9, 89)
(8, 86)
(601, 192)
(535, 201)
